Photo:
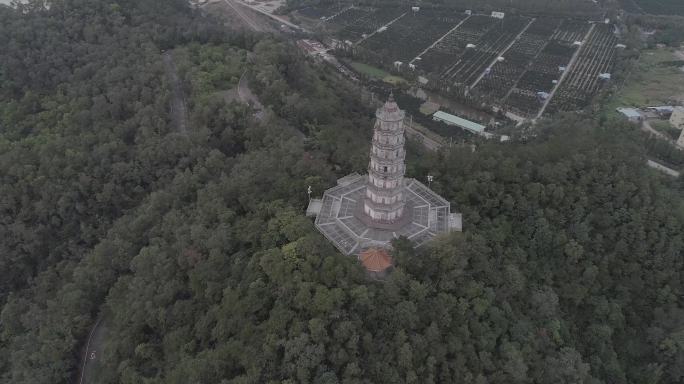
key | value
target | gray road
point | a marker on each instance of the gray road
(92, 353)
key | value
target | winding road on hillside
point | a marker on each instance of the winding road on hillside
(92, 353)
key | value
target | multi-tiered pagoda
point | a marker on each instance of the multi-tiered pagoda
(385, 199)
(364, 213)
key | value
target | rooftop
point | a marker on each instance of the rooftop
(376, 259)
(459, 122)
(630, 112)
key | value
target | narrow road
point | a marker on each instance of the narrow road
(92, 353)
(662, 168)
(179, 110)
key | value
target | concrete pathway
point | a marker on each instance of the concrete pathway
(666, 170)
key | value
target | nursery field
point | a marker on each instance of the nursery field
(355, 23)
(321, 12)
(662, 7)
(529, 94)
(522, 64)
(410, 35)
(583, 81)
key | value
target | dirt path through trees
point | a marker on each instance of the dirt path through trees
(179, 109)
(247, 96)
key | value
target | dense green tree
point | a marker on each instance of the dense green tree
(195, 250)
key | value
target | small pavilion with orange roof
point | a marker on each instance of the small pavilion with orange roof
(377, 261)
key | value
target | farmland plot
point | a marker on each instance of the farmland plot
(504, 75)
(411, 34)
(582, 82)
(320, 11)
(474, 61)
(539, 80)
(355, 23)
(447, 52)
(662, 7)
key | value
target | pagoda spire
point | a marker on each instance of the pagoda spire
(385, 198)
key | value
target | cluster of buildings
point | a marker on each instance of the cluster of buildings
(674, 114)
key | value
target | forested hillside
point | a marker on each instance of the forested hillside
(196, 250)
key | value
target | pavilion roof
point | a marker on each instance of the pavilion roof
(375, 259)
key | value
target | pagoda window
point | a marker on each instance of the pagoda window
(384, 169)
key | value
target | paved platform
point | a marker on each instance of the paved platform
(337, 218)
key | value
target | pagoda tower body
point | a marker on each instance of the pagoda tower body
(385, 198)
(363, 213)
